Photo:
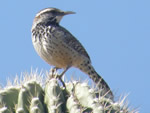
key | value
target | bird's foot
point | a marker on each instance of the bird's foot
(60, 78)
(53, 73)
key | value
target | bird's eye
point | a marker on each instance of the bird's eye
(52, 18)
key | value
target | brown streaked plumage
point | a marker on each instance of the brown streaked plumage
(58, 47)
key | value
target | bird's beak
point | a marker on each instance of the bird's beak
(68, 12)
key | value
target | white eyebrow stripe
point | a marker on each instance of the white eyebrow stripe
(43, 11)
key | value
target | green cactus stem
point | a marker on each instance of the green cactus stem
(34, 95)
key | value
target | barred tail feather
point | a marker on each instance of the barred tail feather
(97, 79)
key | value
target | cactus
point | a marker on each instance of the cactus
(36, 94)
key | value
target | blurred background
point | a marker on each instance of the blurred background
(115, 33)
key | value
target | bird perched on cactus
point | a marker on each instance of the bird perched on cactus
(58, 47)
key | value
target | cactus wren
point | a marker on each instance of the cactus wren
(58, 47)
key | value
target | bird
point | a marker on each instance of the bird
(59, 48)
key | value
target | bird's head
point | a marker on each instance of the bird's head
(50, 16)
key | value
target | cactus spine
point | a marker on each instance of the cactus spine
(34, 96)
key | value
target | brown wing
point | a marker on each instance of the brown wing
(70, 40)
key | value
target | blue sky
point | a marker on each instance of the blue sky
(115, 33)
